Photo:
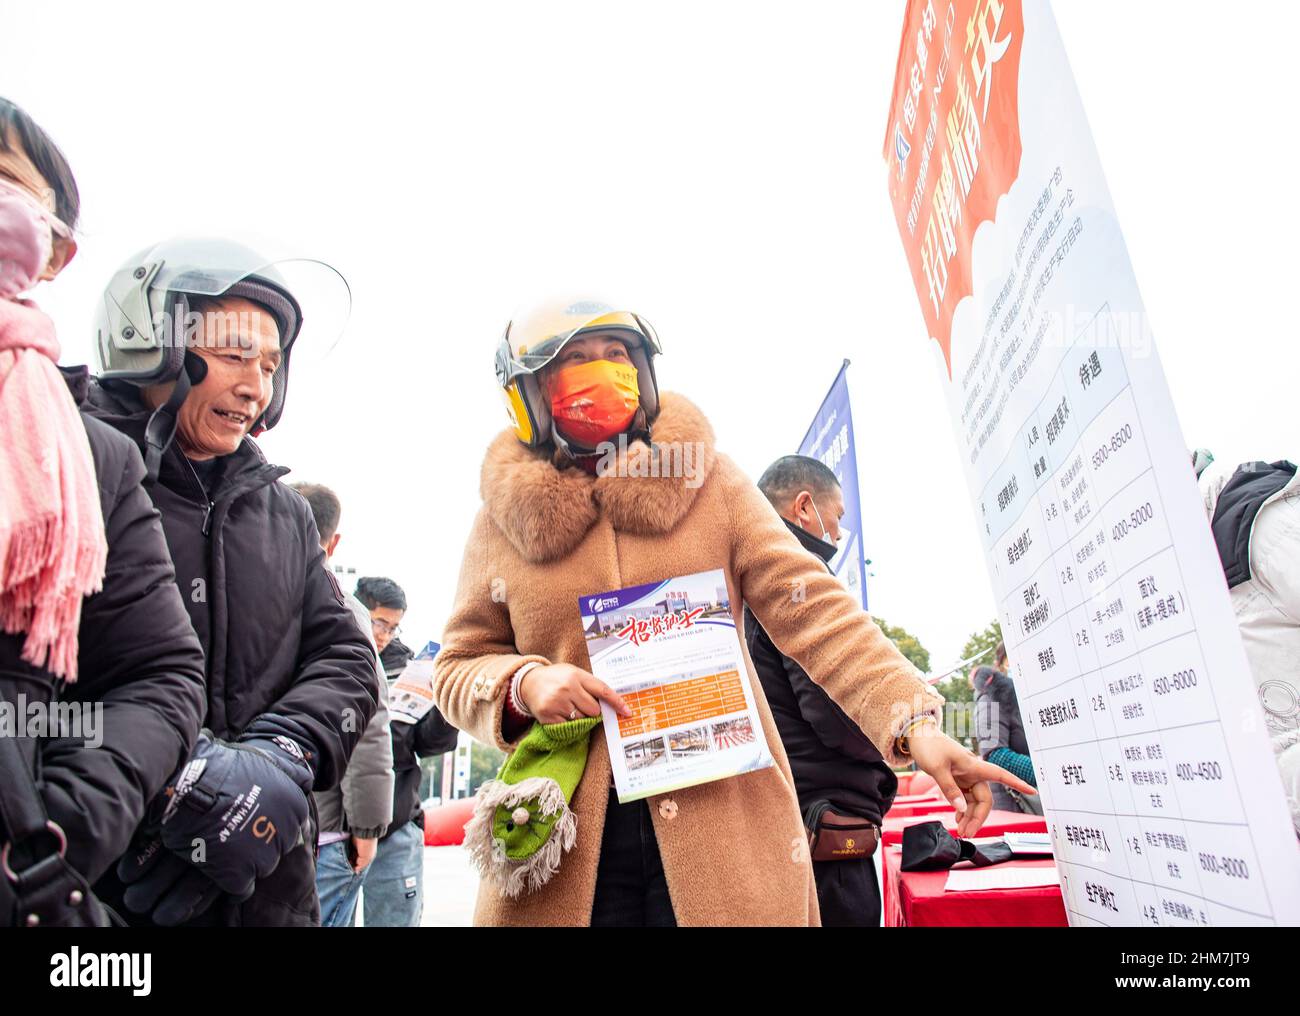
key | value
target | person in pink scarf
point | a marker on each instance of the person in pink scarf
(52, 547)
(91, 619)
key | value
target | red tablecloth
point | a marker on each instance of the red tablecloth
(918, 806)
(905, 782)
(929, 794)
(917, 899)
(997, 823)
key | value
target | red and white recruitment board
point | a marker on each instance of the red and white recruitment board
(1148, 742)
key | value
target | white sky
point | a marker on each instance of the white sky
(714, 166)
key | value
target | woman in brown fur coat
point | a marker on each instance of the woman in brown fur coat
(574, 502)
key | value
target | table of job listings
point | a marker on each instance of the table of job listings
(1127, 739)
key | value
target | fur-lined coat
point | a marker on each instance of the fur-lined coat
(734, 851)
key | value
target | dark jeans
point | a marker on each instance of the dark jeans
(848, 893)
(631, 891)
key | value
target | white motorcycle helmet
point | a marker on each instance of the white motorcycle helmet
(142, 320)
(537, 336)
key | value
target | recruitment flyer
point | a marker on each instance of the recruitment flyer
(671, 650)
(1148, 743)
(410, 696)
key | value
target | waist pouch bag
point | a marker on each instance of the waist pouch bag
(928, 846)
(836, 837)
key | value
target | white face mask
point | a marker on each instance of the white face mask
(826, 535)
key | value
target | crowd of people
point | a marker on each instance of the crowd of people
(246, 769)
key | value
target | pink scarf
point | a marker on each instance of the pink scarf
(52, 544)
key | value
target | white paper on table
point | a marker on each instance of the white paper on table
(1035, 845)
(1028, 843)
(1000, 877)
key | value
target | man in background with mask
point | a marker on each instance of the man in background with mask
(840, 776)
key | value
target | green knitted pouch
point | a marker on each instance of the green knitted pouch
(522, 822)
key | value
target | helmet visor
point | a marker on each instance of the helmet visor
(537, 338)
(210, 267)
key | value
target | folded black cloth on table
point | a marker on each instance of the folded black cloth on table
(928, 846)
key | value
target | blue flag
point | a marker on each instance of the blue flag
(830, 440)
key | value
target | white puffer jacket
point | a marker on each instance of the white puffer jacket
(1268, 612)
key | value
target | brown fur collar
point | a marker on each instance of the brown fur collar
(545, 511)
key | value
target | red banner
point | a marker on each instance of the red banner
(953, 142)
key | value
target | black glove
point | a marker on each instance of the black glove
(158, 882)
(233, 811)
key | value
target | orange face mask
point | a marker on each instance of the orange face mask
(593, 402)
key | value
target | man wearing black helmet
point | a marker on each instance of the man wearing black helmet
(193, 345)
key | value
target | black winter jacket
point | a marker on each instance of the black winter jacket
(430, 735)
(830, 757)
(1239, 502)
(138, 658)
(277, 634)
